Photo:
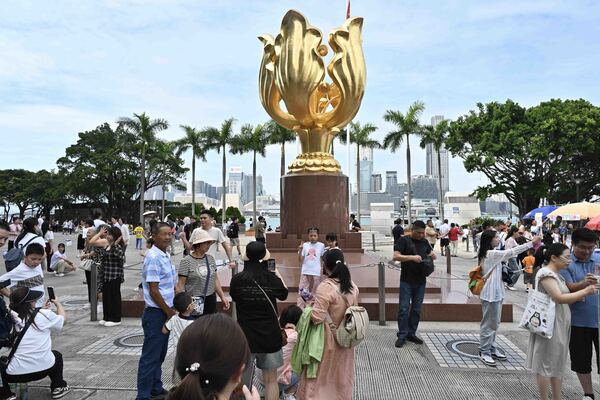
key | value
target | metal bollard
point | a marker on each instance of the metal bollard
(234, 271)
(373, 237)
(381, 293)
(94, 293)
(448, 260)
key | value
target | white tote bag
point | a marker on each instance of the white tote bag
(539, 314)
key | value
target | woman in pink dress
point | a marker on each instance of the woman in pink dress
(335, 377)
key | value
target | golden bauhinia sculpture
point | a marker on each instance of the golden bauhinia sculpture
(293, 71)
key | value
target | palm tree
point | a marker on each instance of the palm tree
(360, 135)
(255, 140)
(407, 124)
(144, 130)
(219, 139)
(196, 141)
(436, 136)
(162, 151)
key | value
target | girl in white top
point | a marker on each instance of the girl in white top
(29, 234)
(493, 293)
(34, 358)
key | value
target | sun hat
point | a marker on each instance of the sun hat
(29, 295)
(200, 236)
(256, 251)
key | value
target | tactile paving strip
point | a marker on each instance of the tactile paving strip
(460, 350)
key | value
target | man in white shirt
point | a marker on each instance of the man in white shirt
(29, 273)
(444, 239)
(59, 263)
(124, 234)
(98, 222)
(206, 223)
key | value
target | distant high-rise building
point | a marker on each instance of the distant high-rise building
(247, 189)
(431, 161)
(236, 181)
(391, 179)
(366, 175)
(376, 183)
(424, 187)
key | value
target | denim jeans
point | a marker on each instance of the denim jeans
(154, 352)
(409, 311)
(513, 264)
(492, 311)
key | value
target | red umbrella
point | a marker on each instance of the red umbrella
(594, 224)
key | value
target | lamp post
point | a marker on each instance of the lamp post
(577, 182)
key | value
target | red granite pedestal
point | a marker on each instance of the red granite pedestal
(314, 200)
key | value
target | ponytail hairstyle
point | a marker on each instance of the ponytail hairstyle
(29, 225)
(338, 270)
(211, 351)
(555, 249)
(511, 232)
(485, 243)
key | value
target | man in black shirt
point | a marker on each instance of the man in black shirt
(233, 233)
(354, 224)
(411, 251)
(397, 230)
(255, 291)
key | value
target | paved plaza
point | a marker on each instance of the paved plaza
(101, 363)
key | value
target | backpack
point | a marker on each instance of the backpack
(230, 231)
(8, 333)
(15, 255)
(353, 328)
(477, 280)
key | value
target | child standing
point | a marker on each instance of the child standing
(139, 235)
(309, 255)
(176, 325)
(528, 263)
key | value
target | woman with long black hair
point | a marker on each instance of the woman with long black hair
(492, 294)
(335, 377)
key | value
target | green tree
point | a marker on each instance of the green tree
(144, 132)
(196, 141)
(15, 188)
(252, 140)
(436, 136)
(361, 136)
(219, 139)
(163, 151)
(280, 135)
(49, 190)
(406, 124)
(530, 154)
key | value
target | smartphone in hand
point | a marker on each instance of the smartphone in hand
(271, 264)
(51, 294)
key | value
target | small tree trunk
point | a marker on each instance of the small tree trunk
(358, 184)
(142, 183)
(193, 183)
(254, 189)
(223, 207)
(439, 160)
(409, 183)
(163, 202)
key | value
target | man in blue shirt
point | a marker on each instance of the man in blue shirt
(584, 314)
(158, 279)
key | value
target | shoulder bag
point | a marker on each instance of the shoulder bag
(354, 325)
(198, 301)
(427, 262)
(283, 334)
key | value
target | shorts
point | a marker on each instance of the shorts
(444, 242)
(264, 361)
(580, 349)
(527, 277)
(234, 241)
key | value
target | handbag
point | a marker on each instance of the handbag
(427, 262)
(199, 301)
(352, 330)
(87, 264)
(5, 360)
(539, 314)
(283, 334)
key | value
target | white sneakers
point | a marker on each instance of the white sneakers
(101, 322)
(487, 360)
(110, 323)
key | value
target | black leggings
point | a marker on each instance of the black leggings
(111, 300)
(55, 373)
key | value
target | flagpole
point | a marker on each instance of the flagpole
(349, 155)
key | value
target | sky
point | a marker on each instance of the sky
(69, 66)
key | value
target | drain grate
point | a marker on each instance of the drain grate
(76, 302)
(130, 341)
(465, 348)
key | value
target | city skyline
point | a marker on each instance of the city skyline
(196, 64)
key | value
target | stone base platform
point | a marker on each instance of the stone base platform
(446, 297)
